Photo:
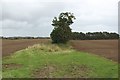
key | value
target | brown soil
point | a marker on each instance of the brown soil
(11, 46)
(11, 66)
(44, 72)
(74, 71)
(78, 71)
(105, 48)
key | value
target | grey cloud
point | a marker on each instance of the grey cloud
(30, 20)
(34, 17)
(31, 12)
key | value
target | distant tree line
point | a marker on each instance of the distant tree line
(77, 36)
(13, 38)
(94, 35)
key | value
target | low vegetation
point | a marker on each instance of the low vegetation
(57, 60)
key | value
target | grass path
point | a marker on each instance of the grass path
(48, 60)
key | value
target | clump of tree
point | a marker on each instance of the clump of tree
(62, 32)
(94, 35)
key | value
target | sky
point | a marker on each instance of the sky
(34, 17)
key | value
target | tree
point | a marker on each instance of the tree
(62, 32)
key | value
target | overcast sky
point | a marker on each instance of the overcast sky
(34, 17)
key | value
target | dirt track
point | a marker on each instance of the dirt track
(105, 48)
(11, 46)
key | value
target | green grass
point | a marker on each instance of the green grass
(48, 60)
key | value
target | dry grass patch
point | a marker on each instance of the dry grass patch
(45, 48)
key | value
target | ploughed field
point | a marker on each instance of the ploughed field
(11, 46)
(104, 48)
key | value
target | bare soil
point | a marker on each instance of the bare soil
(44, 72)
(11, 46)
(74, 71)
(104, 48)
(11, 66)
(78, 70)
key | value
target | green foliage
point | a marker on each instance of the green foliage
(61, 35)
(62, 32)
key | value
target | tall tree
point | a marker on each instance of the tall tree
(62, 32)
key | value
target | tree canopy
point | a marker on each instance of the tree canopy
(62, 32)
